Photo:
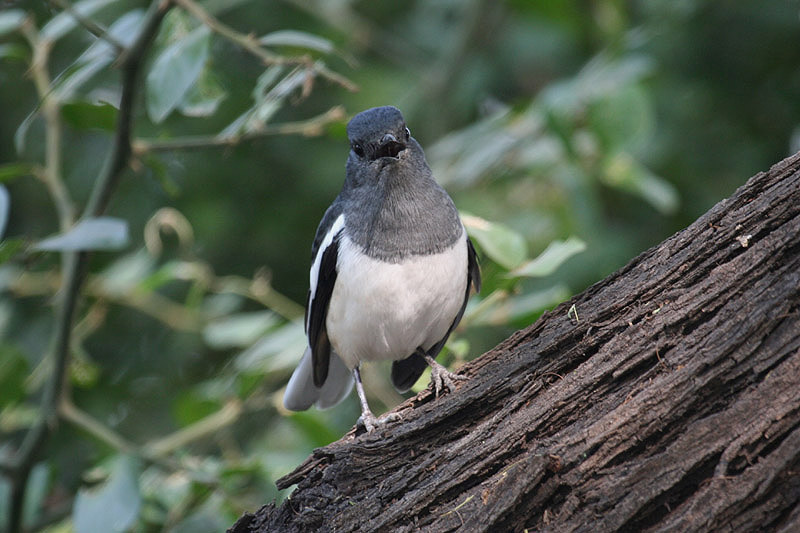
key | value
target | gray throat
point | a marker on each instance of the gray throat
(398, 218)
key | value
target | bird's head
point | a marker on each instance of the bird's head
(378, 133)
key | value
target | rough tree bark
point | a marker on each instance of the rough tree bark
(672, 403)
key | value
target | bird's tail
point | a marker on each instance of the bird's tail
(301, 393)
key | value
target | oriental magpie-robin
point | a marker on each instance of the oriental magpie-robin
(391, 271)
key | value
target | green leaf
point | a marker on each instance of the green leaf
(5, 208)
(463, 157)
(601, 77)
(623, 172)
(13, 51)
(191, 406)
(96, 58)
(166, 489)
(503, 245)
(76, 75)
(269, 98)
(269, 94)
(11, 20)
(101, 233)
(9, 171)
(162, 175)
(127, 272)
(203, 97)
(315, 428)
(9, 248)
(83, 372)
(239, 330)
(280, 349)
(18, 417)
(86, 116)
(174, 71)
(525, 305)
(211, 517)
(168, 272)
(22, 131)
(624, 119)
(114, 506)
(65, 21)
(299, 39)
(556, 253)
(124, 31)
(503, 308)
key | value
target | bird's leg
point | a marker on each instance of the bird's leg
(440, 376)
(367, 419)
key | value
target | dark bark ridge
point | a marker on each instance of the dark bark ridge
(672, 403)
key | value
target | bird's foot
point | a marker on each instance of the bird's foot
(443, 378)
(367, 420)
(370, 422)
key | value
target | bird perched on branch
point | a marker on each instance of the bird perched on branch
(391, 271)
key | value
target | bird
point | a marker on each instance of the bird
(391, 272)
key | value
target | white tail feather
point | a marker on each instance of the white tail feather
(301, 393)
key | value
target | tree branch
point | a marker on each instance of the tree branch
(311, 127)
(130, 62)
(672, 404)
(72, 414)
(227, 415)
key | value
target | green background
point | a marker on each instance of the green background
(600, 126)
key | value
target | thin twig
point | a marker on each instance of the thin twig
(83, 420)
(151, 303)
(248, 42)
(130, 62)
(261, 290)
(227, 415)
(251, 44)
(311, 127)
(75, 266)
(90, 25)
(51, 110)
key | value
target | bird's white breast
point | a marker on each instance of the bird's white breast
(384, 311)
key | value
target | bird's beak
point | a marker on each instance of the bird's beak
(389, 147)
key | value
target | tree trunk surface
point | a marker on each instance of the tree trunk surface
(671, 402)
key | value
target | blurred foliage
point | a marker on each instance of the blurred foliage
(572, 135)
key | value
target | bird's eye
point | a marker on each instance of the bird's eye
(408, 134)
(358, 149)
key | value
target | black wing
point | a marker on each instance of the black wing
(317, 308)
(474, 270)
(407, 371)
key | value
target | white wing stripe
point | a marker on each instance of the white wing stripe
(337, 226)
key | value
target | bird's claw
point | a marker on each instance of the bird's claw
(367, 421)
(443, 378)
(370, 422)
